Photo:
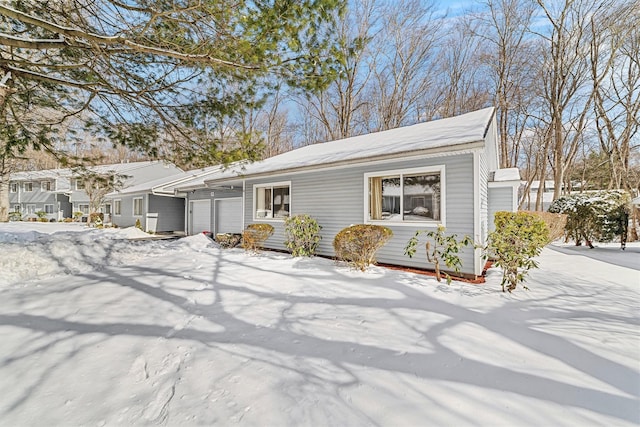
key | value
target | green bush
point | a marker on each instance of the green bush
(358, 244)
(303, 235)
(445, 248)
(255, 235)
(599, 215)
(41, 215)
(519, 237)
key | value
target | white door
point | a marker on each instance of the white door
(228, 215)
(200, 216)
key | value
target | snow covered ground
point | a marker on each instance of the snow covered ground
(97, 329)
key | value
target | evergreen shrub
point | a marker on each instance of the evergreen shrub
(358, 244)
(598, 215)
(518, 238)
(303, 235)
(254, 236)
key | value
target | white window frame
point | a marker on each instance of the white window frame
(31, 209)
(42, 186)
(17, 208)
(270, 185)
(80, 208)
(51, 208)
(79, 184)
(117, 207)
(13, 187)
(30, 184)
(133, 208)
(409, 171)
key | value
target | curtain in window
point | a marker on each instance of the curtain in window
(375, 198)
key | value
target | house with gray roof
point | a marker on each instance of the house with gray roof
(411, 178)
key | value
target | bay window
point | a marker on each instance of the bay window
(272, 201)
(410, 195)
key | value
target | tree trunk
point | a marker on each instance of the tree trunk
(4, 198)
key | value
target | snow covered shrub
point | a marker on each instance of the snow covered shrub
(518, 238)
(599, 215)
(556, 223)
(228, 240)
(444, 248)
(15, 216)
(254, 236)
(303, 235)
(358, 244)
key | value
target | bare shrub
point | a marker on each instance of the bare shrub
(254, 236)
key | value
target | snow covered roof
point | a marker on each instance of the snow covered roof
(454, 131)
(120, 168)
(636, 201)
(168, 185)
(506, 174)
(40, 175)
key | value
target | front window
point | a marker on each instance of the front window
(83, 208)
(16, 208)
(31, 209)
(13, 187)
(79, 184)
(117, 206)
(46, 186)
(137, 206)
(272, 201)
(48, 209)
(28, 186)
(406, 196)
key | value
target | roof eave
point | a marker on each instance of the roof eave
(452, 149)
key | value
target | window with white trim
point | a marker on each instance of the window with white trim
(48, 209)
(272, 201)
(84, 208)
(117, 207)
(137, 206)
(28, 186)
(79, 184)
(31, 209)
(46, 186)
(13, 187)
(17, 208)
(406, 196)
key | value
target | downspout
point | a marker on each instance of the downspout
(244, 196)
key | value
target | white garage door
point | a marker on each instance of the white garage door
(200, 216)
(229, 215)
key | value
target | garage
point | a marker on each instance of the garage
(199, 216)
(228, 215)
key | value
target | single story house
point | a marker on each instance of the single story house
(408, 179)
(157, 204)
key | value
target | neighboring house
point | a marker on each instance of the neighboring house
(40, 191)
(410, 178)
(158, 204)
(60, 192)
(528, 199)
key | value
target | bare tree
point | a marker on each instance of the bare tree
(566, 86)
(615, 73)
(405, 63)
(336, 108)
(505, 27)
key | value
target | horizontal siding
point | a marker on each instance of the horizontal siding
(335, 198)
(126, 218)
(170, 212)
(500, 199)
